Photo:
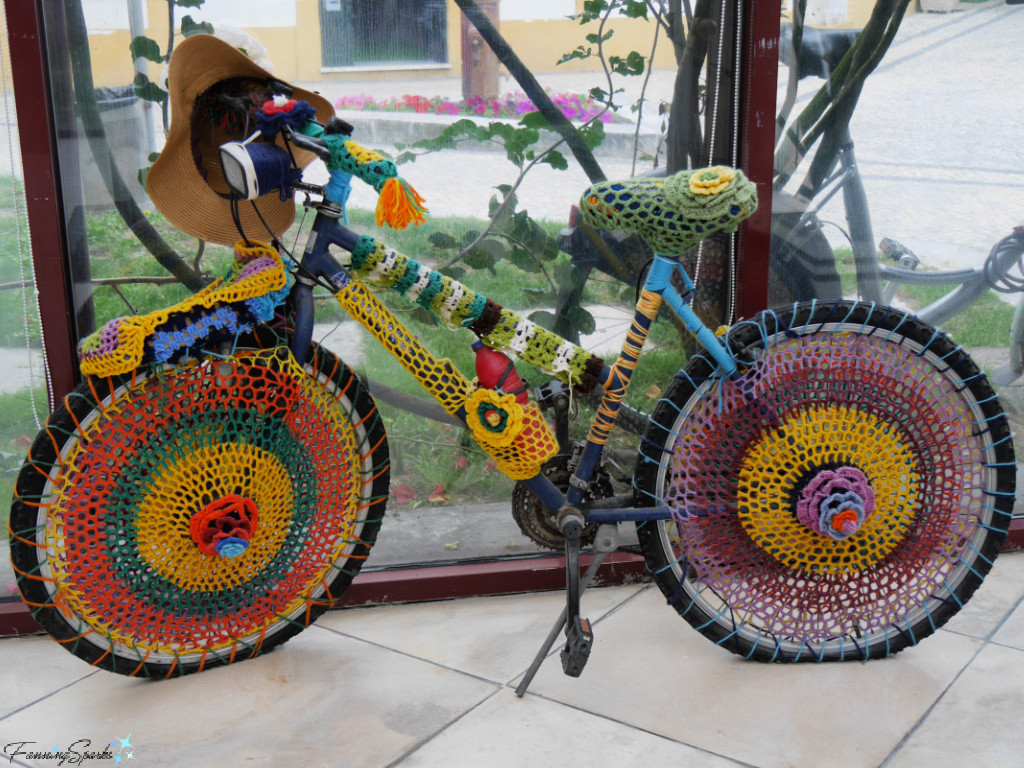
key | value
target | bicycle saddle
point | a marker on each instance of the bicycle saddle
(676, 213)
(820, 52)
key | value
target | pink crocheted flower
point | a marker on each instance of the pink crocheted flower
(836, 502)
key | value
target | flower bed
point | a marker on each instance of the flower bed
(513, 105)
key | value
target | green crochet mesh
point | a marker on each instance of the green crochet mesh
(676, 213)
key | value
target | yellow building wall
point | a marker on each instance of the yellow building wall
(295, 51)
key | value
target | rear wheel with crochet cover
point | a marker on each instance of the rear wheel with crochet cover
(175, 520)
(841, 498)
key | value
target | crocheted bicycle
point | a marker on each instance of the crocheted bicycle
(823, 482)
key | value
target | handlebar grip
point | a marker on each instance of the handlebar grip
(316, 146)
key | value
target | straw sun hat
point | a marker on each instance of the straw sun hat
(186, 183)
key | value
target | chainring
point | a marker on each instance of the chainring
(534, 521)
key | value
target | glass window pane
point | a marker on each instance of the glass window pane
(403, 74)
(896, 174)
(23, 398)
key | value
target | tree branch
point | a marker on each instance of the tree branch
(559, 122)
(85, 99)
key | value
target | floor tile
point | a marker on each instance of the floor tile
(998, 594)
(650, 669)
(1012, 632)
(319, 700)
(508, 732)
(33, 667)
(977, 722)
(493, 637)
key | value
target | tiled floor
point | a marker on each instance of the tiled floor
(432, 685)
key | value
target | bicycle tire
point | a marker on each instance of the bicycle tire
(100, 524)
(802, 266)
(743, 461)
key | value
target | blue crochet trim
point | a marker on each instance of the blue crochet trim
(168, 343)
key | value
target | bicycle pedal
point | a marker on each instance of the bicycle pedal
(578, 641)
(895, 250)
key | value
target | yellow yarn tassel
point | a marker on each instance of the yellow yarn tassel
(399, 205)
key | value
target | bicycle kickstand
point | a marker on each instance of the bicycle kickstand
(607, 541)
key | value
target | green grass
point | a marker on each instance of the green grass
(17, 429)
(986, 323)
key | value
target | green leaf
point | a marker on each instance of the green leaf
(153, 156)
(581, 319)
(524, 261)
(145, 89)
(478, 258)
(469, 237)
(505, 220)
(443, 240)
(579, 53)
(593, 134)
(455, 273)
(190, 27)
(543, 318)
(493, 248)
(568, 277)
(534, 120)
(189, 3)
(634, 9)
(633, 64)
(598, 94)
(143, 47)
(555, 159)
(541, 296)
(143, 173)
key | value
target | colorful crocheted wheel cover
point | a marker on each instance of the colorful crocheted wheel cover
(254, 435)
(802, 497)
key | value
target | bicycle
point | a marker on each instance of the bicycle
(803, 264)
(827, 481)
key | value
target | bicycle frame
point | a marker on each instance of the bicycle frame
(970, 284)
(318, 263)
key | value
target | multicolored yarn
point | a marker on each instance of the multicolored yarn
(398, 204)
(836, 503)
(458, 306)
(280, 112)
(751, 450)
(519, 442)
(676, 213)
(257, 284)
(135, 562)
(494, 419)
(622, 369)
(230, 520)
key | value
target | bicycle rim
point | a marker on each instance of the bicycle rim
(103, 527)
(842, 397)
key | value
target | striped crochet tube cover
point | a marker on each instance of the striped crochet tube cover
(460, 307)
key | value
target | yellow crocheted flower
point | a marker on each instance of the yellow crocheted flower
(495, 420)
(711, 181)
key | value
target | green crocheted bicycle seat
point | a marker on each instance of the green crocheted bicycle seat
(676, 213)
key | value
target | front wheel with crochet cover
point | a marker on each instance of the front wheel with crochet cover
(840, 498)
(176, 519)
